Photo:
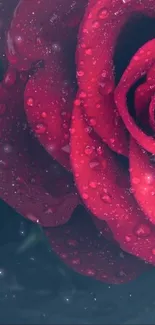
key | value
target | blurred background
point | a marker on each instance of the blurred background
(37, 288)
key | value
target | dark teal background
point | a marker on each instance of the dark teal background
(37, 288)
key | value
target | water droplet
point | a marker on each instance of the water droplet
(149, 179)
(43, 114)
(126, 1)
(90, 272)
(63, 255)
(77, 102)
(95, 24)
(56, 47)
(76, 261)
(88, 51)
(106, 198)
(85, 196)
(18, 40)
(72, 242)
(40, 128)
(100, 150)
(80, 73)
(82, 94)
(7, 148)
(93, 164)
(142, 230)
(30, 101)
(103, 13)
(92, 121)
(93, 185)
(135, 180)
(127, 239)
(105, 87)
(72, 131)
(88, 150)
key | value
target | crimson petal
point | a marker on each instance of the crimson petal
(140, 64)
(97, 173)
(37, 187)
(82, 248)
(142, 171)
(95, 71)
(50, 92)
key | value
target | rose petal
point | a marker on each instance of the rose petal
(142, 98)
(139, 65)
(48, 103)
(30, 181)
(142, 171)
(97, 172)
(50, 92)
(95, 71)
(82, 248)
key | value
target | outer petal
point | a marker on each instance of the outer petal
(30, 181)
(49, 93)
(98, 172)
(82, 247)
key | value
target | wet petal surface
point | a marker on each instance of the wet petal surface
(85, 250)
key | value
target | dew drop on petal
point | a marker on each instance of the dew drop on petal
(7, 148)
(80, 73)
(142, 230)
(77, 102)
(88, 150)
(106, 198)
(94, 164)
(92, 121)
(40, 128)
(149, 179)
(103, 13)
(85, 196)
(127, 239)
(56, 47)
(95, 24)
(90, 272)
(88, 51)
(72, 242)
(76, 261)
(93, 185)
(135, 180)
(43, 114)
(30, 102)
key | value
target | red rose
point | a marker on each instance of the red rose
(66, 120)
